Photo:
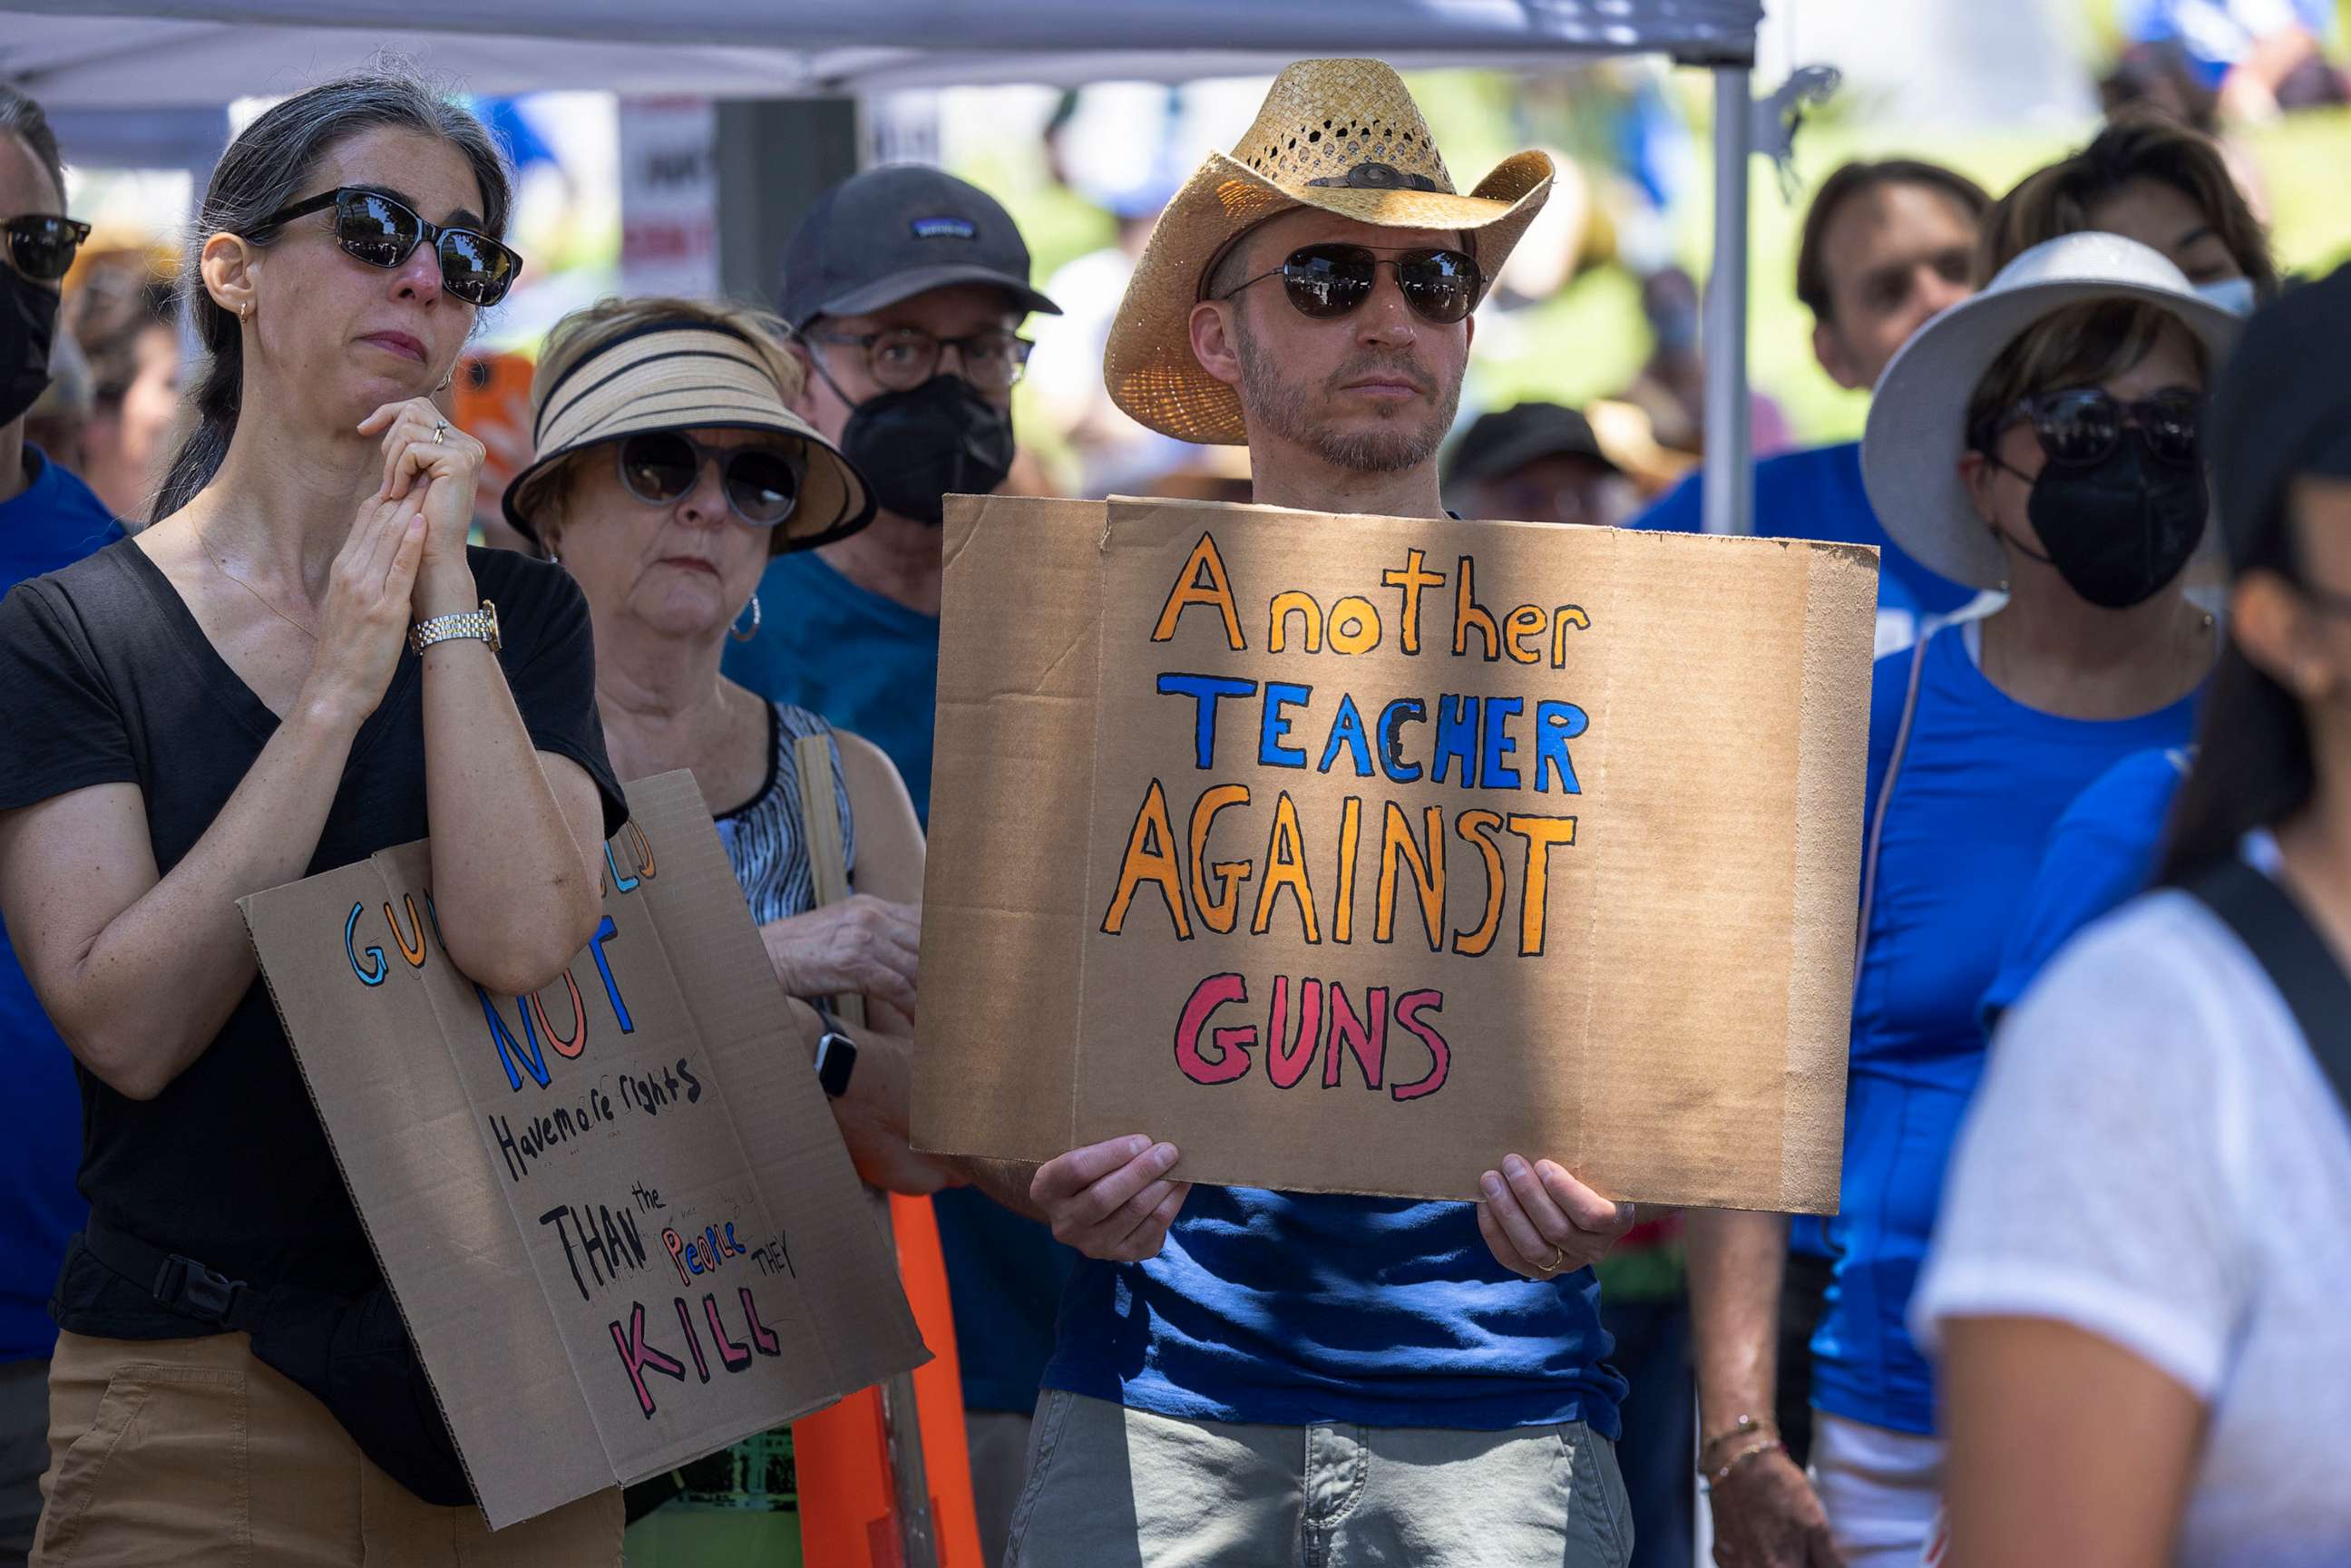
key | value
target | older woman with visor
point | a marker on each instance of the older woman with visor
(669, 471)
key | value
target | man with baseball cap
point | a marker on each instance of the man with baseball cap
(1536, 463)
(1248, 1376)
(904, 289)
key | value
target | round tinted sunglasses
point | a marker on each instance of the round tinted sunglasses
(2082, 426)
(762, 483)
(1324, 281)
(381, 231)
(43, 248)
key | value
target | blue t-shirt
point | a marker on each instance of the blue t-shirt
(2101, 851)
(1817, 494)
(1983, 780)
(56, 522)
(2216, 35)
(1294, 1308)
(871, 666)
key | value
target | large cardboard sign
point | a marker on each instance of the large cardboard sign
(617, 1215)
(1351, 853)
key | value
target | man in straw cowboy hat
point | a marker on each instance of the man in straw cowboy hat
(1257, 1377)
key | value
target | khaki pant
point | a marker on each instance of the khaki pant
(193, 1454)
(1112, 1488)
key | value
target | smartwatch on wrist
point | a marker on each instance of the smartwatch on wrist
(836, 1058)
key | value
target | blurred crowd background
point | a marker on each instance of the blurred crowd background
(1598, 311)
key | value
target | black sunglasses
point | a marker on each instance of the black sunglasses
(762, 483)
(1324, 281)
(43, 248)
(381, 231)
(2082, 426)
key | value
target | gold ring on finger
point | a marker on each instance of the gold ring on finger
(1558, 1261)
(440, 430)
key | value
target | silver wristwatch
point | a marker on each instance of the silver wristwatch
(480, 624)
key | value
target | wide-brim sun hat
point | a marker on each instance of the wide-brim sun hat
(1916, 433)
(1344, 136)
(679, 375)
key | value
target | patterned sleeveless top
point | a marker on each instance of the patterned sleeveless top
(764, 840)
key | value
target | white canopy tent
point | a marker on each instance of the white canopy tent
(153, 56)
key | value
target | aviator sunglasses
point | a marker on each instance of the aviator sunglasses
(762, 483)
(43, 247)
(381, 231)
(2082, 426)
(1326, 281)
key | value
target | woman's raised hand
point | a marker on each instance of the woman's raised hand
(426, 456)
(363, 624)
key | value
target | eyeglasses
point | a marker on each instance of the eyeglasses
(762, 483)
(43, 248)
(1326, 281)
(2082, 426)
(904, 358)
(381, 231)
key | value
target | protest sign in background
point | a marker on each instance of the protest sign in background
(617, 1215)
(1351, 854)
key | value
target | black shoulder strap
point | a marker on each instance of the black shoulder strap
(2300, 964)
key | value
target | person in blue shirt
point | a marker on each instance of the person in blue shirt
(903, 289)
(2256, 57)
(1886, 245)
(2103, 851)
(1250, 1376)
(2042, 437)
(48, 518)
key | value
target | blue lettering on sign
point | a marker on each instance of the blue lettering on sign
(375, 953)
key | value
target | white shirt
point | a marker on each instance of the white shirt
(2156, 1157)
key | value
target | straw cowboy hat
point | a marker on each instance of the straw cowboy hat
(687, 374)
(1916, 432)
(1343, 136)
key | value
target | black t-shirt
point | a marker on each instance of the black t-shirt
(106, 677)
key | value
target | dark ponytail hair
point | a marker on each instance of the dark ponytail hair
(2273, 409)
(2253, 766)
(269, 165)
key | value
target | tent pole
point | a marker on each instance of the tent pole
(1729, 477)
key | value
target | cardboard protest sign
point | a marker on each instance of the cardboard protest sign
(617, 1215)
(1351, 853)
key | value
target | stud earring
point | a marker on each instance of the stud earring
(245, 311)
(744, 634)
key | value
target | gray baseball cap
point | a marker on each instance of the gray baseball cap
(892, 232)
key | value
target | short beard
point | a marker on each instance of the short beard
(1286, 409)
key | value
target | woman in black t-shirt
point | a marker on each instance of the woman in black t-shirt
(230, 702)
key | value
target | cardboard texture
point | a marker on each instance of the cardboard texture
(617, 1215)
(1350, 854)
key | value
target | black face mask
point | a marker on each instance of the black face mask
(2120, 529)
(917, 448)
(28, 325)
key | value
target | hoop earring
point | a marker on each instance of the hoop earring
(743, 634)
(245, 311)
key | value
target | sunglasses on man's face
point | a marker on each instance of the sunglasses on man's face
(762, 483)
(2082, 426)
(1326, 281)
(43, 247)
(381, 232)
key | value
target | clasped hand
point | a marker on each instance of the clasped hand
(407, 537)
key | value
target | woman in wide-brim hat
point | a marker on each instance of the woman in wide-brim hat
(1343, 136)
(2042, 439)
(671, 469)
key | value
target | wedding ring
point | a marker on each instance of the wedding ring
(1558, 1261)
(440, 430)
